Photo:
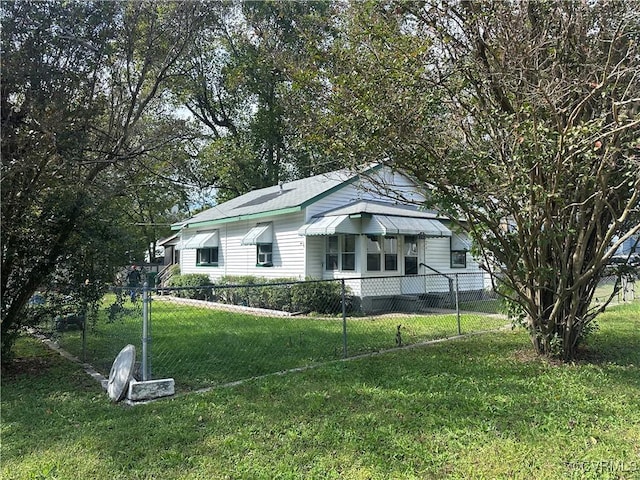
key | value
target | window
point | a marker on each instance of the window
(349, 252)
(410, 255)
(458, 259)
(391, 253)
(207, 256)
(331, 259)
(460, 245)
(381, 249)
(374, 251)
(340, 253)
(265, 254)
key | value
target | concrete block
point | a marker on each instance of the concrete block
(150, 389)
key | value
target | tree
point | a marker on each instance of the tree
(520, 118)
(240, 81)
(78, 79)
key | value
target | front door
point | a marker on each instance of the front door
(411, 283)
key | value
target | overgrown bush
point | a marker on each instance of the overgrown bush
(255, 292)
(285, 294)
(319, 297)
(190, 285)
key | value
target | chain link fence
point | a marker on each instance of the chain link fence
(623, 289)
(211, 335)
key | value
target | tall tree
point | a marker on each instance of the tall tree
(240, 81)
(154, 191)
(520, 118)
(78, 79)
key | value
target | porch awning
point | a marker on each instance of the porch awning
(330, 225)
(259, 234)
(394, 225)
(199, 240)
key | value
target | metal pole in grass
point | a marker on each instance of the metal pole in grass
(84, 336)
(344, 318)
(145, 331)
(458, 307)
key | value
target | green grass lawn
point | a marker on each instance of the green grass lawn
(483, 407)
(200, 347)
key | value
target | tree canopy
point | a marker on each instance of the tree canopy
(242, 79)
(521, 121)
(80, 82)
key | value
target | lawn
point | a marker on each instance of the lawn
(479, 407)
(200, 347)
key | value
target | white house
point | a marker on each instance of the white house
(335, 225)
(630, 246)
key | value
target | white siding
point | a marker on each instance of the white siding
(438, 256)
(289, 247)
(237, 259)
(385, 184)
(315, 247)
(382, 186)
(340, 198)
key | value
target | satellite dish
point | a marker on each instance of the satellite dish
(121, 373)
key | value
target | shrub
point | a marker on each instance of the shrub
(256, 292)
(285, 294)
(236, 295)
(190, 285)
(319, 297)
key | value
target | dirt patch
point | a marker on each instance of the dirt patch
(30, 366)
(528, 355)
(583, 356)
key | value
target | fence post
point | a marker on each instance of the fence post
(344, 319)
(84, 337)
(145, 332)
(458, 306)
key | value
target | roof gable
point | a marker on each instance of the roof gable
(381, 208)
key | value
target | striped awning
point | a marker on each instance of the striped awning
(330, 225)
(460, 242)
(199, 240)
(262, 233)
(396, 225)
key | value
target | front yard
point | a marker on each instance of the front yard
(480, 407)
(200, 346)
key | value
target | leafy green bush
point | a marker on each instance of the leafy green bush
(236, 295)
(283, 294)
(256, 292)
(319, 297)
(189, 285)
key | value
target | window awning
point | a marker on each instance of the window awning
(394, 225)
(199, 240)
(460, 242)
(259, 234)
(331, 225)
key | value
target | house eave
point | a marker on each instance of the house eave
(238, 218)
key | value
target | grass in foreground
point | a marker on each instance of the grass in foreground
(482, 407)
(200, 347)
